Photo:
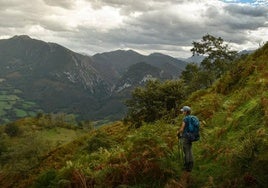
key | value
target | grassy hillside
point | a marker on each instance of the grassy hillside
(232, 151)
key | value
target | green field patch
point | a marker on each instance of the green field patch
(2, 112)
(17, 91)
(28, 105)
(8, 107)
(4, 97)
(20, 113)
(3, 104)
(13, 97)
(31, 113)
(5, 120)
(13, 106)
(3, 93)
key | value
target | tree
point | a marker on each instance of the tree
(154, 101)
(217, 52)
(190, 73)
(218, 59)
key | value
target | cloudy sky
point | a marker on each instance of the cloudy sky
(165, 26)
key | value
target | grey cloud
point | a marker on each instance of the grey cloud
(18, 15)
(67, 4)
(20, 6)
(159, 29)
(6, 4)
(245, 17)
(260, 11)
(130, 6)
(53, 25)
(235, 21)
(164, 25)
(126, 7)
(17, 18)
(162, 28)
(118, 39)
(155, 29)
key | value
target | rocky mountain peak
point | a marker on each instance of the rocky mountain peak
(22, 37)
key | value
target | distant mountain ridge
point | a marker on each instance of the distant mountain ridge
(120, 60)
(199, 58)
(60, 80)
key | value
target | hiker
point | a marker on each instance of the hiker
(186, 143)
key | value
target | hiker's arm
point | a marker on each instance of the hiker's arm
(181, 128)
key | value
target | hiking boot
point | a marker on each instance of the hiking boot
(190, 166)
(185, 166)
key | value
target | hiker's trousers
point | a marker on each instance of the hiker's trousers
(187, 150)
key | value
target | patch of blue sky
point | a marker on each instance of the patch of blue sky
(253, 2)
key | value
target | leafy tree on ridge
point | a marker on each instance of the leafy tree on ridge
(155, 101)
(218, 59)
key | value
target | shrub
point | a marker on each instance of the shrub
(46, 179)
(100, 140)
(146, 157)
(154, 101)
(12, 130)
(3, 146)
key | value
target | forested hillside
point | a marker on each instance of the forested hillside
(232, 151)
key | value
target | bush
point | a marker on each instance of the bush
(12, 130)
(100, 140)
(46, 179)
(3, 146)
(146, 157)
(155, 101)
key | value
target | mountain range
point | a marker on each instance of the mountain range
(50, 78)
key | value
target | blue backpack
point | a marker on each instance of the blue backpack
(192, 130)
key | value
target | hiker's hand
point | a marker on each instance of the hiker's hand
(179, 135)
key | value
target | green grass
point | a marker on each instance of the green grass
(28, 105)
(4, 106)
(58, 136)
(20, 113)
(6, 97)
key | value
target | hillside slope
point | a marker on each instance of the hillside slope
(234, 113)
(232, 151)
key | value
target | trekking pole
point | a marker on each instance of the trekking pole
(181, 159)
